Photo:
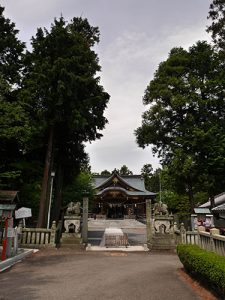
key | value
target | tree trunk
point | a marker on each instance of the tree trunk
(44, 190)
(58, 192)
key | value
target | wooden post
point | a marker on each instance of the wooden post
(4, 242)
(149, 222)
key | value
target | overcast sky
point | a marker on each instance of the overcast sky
(136, 35)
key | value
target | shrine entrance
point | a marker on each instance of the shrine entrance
(115, 211)
(120, 197)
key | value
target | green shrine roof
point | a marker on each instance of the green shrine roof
(131, 185)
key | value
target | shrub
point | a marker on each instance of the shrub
(207, 267)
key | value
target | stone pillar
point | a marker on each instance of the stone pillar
(15, 244)
(200, 228)
(149, 222)
(212, 232)
(85, 220)
(10, 237)
(183, 233)
(53, 235)
(20, 232)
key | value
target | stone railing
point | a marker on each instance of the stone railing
(38, 237)
(210, 241)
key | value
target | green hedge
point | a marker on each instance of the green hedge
(207, 267)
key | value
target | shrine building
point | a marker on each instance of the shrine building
(120, 196)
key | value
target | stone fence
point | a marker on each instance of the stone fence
(38, 237)
(210, 241)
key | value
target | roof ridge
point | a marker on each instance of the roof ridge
(220, 195)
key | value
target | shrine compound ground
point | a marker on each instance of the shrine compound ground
(71, 274)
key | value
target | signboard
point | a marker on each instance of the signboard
(23, 212)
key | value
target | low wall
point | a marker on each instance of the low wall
(210, 241)
(38, 237)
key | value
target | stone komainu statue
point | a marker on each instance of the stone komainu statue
(160, 209)
(73, 209)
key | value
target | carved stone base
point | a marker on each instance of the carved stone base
(162, 242)
(72, 224)
(71, 240)
(162, 224)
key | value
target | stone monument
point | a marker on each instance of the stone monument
(162, 229)
(72, 219)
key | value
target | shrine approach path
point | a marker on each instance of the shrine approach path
(68, 274)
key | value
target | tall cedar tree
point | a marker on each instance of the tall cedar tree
(186, 118)
(62, 87)
(14, 123)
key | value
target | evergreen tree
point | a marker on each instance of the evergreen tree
(124, 170)
(217, 27)
(65, 96)
(147, 172)
(14, 122)
(186, 117)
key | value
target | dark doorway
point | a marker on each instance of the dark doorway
(115, 211)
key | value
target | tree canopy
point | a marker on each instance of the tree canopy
(217, 27)
(63, 92)
(186, 117)
(51, 102)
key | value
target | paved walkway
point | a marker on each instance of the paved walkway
(66, 274)
(135, 230)
(127, 223)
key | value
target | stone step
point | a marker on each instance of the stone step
(73, 246)
(76, 241)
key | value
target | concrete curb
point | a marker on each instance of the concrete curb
(143, 248)
(4, 265)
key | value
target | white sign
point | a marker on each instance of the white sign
(23, 212)
(10, 232)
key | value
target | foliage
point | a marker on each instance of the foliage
(11, 51)
(147, 174)
(124, 170)
(62, 83)
(206, 266)
(62, 92)
(217, 28)
(15, 127)
(186, 117)
(74, 192)
(105, 172)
